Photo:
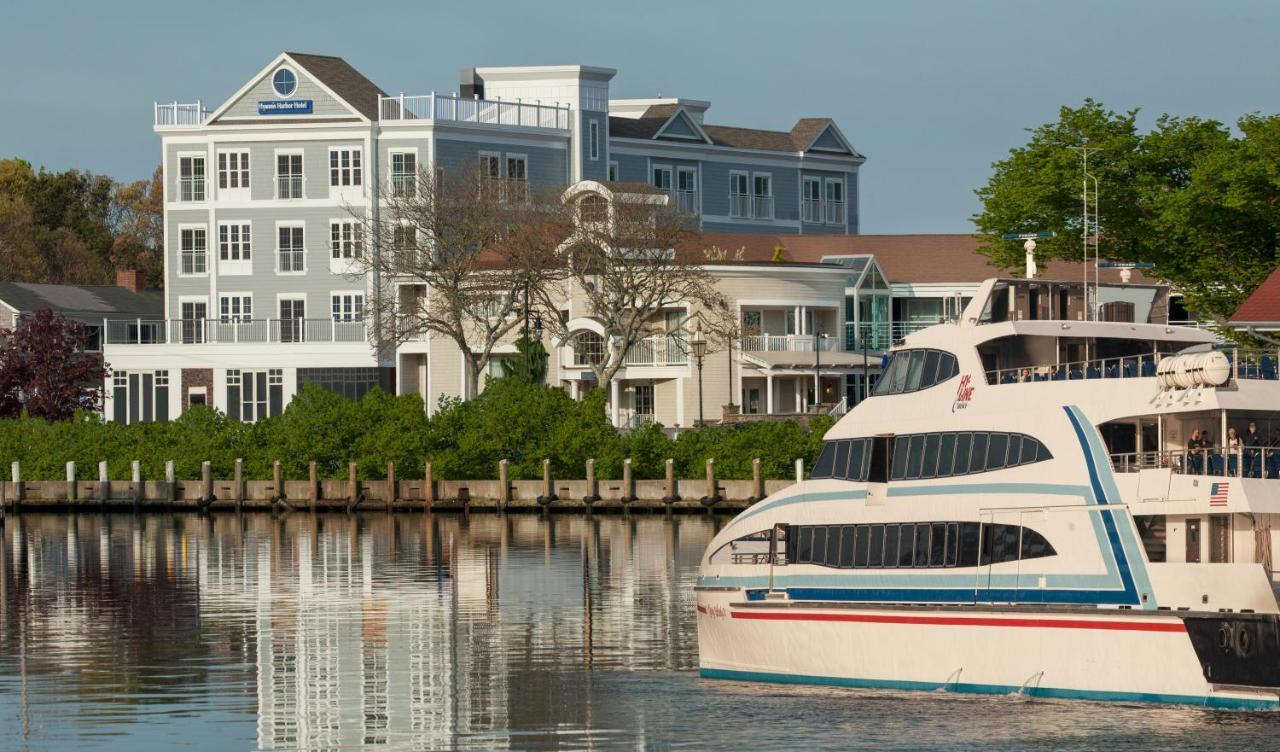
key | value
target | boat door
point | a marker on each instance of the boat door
(1193, 540)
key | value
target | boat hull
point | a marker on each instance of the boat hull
(1077, 654)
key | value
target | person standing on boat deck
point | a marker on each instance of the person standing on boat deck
(1194, 446)
(1232, 450)
(1253, 440)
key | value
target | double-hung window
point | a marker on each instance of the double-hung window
(762, 195)
(192, 250)
(289, 176)
(345, 167)
(191, 178)
(404, 173)
(233, 241)
(835, 201)
(346, 239)
(687, 190)
(811, 200)
(235, 308)
(517, 178)
(291, 248)
(233, 170)
(739, 195)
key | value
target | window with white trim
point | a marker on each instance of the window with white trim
(233, 241)
(191, 245)
(254, 395)
(687, 189)
(235, 308)
(404, 244)
(593, 138)
(811, 200)
(739, 196)
(346, 239)
(291, 248)
(233, 170)
(404, 173)
(140, 396)
(191, 178)
(289, 176)
(834, 196)
(347, 306)
(344, 166)
(517, 177)
(762, 195)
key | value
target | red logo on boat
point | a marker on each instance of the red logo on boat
(964, 393)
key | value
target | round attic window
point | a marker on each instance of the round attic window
(284, 82)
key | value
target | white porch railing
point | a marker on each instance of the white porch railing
(788, 343)
(687, 201)
(176, 114)
(762, 207)
(218, 331)
(461, 109)
(811, 210)
(835, 212)
(657, 351)
(739, 205)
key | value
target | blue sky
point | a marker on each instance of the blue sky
(931, 92)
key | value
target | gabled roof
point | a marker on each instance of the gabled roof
(343, 80)
(332, 74)
(1263, 306)
(82, 301)
(800, 138)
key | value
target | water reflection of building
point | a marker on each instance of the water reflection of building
(359, 630)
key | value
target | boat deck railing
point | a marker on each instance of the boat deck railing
(1246, 363)
(1246, 462)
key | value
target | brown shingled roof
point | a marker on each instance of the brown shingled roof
(918, 259)
(344, 80)
(797, 139)
(1263, 306)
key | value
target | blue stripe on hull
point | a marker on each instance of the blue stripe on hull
(1206, 701)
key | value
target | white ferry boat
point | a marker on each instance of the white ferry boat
(1015, 510)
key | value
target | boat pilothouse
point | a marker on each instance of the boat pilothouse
(1027, 503)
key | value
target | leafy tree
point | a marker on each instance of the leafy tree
(529, 364)
(138, 222)
(1187, 196)
(44, 368)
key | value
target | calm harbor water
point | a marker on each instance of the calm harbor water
(443, 632)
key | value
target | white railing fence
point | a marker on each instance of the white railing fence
(230, 330)
(788, 343)
(180, 114)
(462, 109)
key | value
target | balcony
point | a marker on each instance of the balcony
(835, 212)
(686, 201)
(788, 343)
(191, 189)
(289, 186)
(658, 351)
(811, 210)
(739, 205)
(222, 332)
(762, 207)
(180, 115)
(441, 107)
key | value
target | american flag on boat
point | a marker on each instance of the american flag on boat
(1218, 494)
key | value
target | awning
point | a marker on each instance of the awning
(829, 360)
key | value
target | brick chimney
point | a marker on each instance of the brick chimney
(129, 279)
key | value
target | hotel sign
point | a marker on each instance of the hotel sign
(285, 107)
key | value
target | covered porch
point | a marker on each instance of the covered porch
(783, 383)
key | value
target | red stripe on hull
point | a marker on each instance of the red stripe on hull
(702, 609)
(964, 621)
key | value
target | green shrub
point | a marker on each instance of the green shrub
(511, 419)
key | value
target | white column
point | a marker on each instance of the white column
(615, 397)
(573, 388)
(768, 399)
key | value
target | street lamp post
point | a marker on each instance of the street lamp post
(818, 339)
(699, 346)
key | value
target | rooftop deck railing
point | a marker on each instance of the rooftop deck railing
(1245, 462)
(230, 331)
(465, 110)
(180, 114)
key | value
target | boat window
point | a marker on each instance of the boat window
(857, 460)
(964, 440)
(913, 545)
(946, 451)
(922, 544)
(997, 447)
(938, 545)
(978, 460)
(842, 459)
(890, 546)
(875, 557)
(930, 368)
(864, 537)
(1015, 450)
(826, 460)
(915, 456)
(916, 369)
(899, 470)
(878, 469)
(929, 469)
(753, 548)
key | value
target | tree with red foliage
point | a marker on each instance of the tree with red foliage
(43, 364)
